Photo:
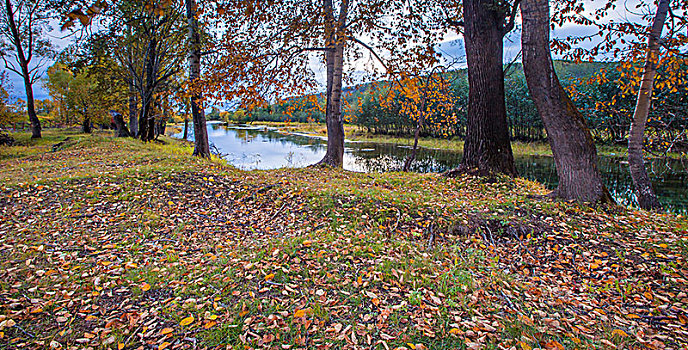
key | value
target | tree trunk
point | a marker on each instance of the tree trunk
(201, 145)
(133, 117)
(414, 151)
(647, 199)
(334, 59)
(186, 128)
(86, 125)
(487, 147)
(575, 154)
(146, 117)
(333, 114)
(120, 125)
(24, 63)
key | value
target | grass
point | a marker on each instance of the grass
(111, 242)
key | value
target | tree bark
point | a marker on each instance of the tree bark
(24, 65)
(575, 154)
(186, 128)
(487, 146)
(647, 199)
(201, 145)
(146, 117)
(334, 59)
(133, 115)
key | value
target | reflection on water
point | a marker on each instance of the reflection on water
(249, 147)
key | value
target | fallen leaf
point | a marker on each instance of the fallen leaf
(186, 321)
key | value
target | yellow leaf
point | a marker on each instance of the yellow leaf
(454, 331)
(120, 346)
(163, 345)
(299, 313)
(525, 346)
(620, 333)
(187, 321)
(167, 330)
(664, 245)
(307, 243)
(170, 203)
(209, 324)
(146, 287)
(632, 316)
(269, 277)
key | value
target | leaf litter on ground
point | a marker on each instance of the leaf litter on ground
(116, 244)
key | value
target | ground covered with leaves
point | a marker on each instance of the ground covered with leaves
(111, 243)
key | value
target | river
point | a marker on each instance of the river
(257, 147)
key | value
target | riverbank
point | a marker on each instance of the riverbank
(357, 134)
(115, 243)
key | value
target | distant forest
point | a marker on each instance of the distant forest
(595, 87)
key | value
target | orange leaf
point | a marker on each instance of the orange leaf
(299, 313)
(146, 287)
(620, 333)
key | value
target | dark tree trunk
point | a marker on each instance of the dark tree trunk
(120, 125)
(147, 117)
(201, 145)
(86, 125)
(647, 199)
(487, 146)
(186, 128)
(575, 154)
(133, 115)
(334, 59)
(24, 63)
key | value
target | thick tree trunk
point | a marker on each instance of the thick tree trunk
(201, 145)
(575, 154)
(647, 199)
(24, 63)
(487, 146)
(146, 117)
(133, 116)
(86, 125)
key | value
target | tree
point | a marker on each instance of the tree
(84, 99)
(24, 49)
(424, 99)
(57, 84)
(487, 146)
(146, 40)
(201, 146)
(574, 151)
(269, 49)
(647, 199)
